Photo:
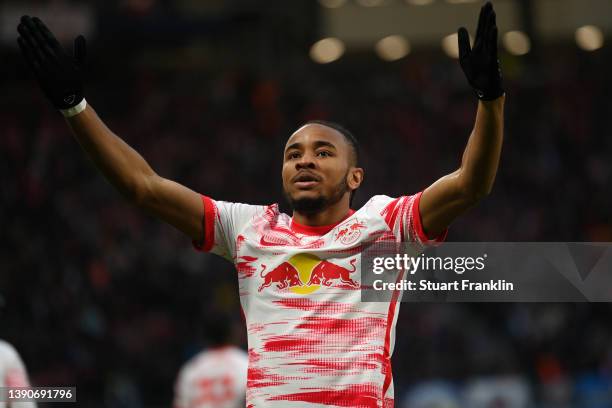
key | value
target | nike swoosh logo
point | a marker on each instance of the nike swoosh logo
(264, 242)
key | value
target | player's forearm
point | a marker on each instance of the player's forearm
(120, 164)
(481, 156)
(60, 76)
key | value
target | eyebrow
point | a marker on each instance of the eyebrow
(317, 144)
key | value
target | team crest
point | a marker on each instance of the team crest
(349, 232)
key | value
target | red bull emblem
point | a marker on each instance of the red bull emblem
(306, 273)
(284, 275)
(350, 231)
(326, 273)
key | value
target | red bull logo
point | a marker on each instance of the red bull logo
(326, 273)
(284, 275)
(306, 273)
(350, 231)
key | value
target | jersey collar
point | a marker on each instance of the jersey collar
(318, 230)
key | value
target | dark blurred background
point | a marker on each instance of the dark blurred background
(98, 295)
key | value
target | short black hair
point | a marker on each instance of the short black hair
(348, 136)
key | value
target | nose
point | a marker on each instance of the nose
(306, 162)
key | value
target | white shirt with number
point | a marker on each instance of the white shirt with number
(214, 378)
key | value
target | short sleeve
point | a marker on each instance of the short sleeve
(404, 218)
(223, 223)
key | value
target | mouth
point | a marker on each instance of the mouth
(305, 185)
(306, 180)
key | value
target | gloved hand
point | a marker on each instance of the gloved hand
(480, 64)
(59, 74)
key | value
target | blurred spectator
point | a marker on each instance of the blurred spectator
(215, 377)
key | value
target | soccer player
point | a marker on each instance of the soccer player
(13, 374)
(217, 376)
(311, 341)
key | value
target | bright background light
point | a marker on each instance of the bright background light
(327, 50)
(589, 38)
(516, 42)
(450, 45)
(392, 48)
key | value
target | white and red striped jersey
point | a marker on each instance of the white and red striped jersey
(13, 373)
(312, 342)
(214, 378)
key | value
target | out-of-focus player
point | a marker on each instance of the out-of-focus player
(13, 373)
(312, 342)
(215, 377)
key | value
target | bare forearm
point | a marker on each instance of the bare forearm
(60, 76)
(121, 165)
(128, 171)
(481, 156)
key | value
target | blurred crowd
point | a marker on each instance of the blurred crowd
(95, 294)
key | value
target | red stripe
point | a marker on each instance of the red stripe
(317, 230)
(208, 224)
(390, 213)
(418, 226)
(353, 396)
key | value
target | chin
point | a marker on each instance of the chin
(306, 194)
(308, 202)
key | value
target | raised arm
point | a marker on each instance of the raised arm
(455, 193)
(128, 171)
(59, 75)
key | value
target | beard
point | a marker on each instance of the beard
(314, 205)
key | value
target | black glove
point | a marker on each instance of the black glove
(58, 73)
(480, 64)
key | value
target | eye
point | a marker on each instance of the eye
(324, 153)
(293, 155)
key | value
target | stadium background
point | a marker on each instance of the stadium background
(97, 295)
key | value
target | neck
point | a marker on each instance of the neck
(329, 216)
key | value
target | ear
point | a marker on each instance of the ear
(354, 178)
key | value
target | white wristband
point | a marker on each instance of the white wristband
(75, 110)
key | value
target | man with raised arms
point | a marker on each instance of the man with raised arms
(312, 342)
